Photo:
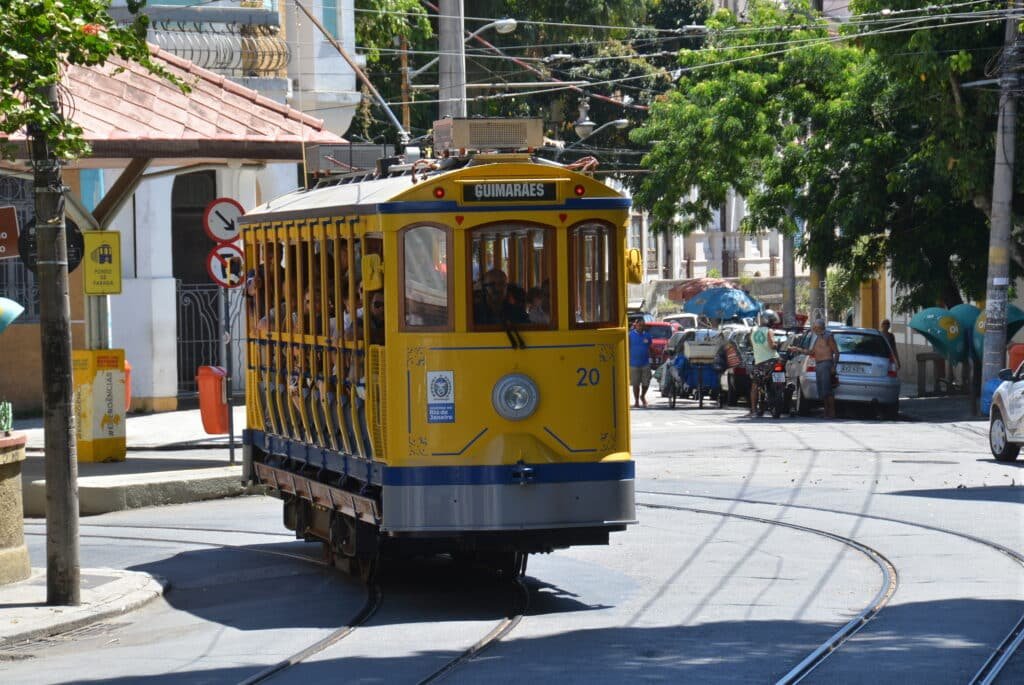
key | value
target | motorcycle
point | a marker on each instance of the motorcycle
(772, 395)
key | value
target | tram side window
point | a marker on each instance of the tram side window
(594, 275)
(425, 278)
(512, 267)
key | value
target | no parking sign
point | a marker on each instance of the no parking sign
(226, 266)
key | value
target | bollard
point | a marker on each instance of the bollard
(14, 563)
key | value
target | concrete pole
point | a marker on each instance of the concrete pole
(788, 281)
(61, 461)
(998, 282)
(452, 62)
(406, 113)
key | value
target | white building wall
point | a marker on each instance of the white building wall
(143, 317)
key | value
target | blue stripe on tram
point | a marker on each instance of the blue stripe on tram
(502, 475)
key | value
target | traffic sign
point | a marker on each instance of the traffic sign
(102, 263)
(226, 266)
(72, 237)
(220, 220)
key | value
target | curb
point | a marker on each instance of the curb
(143, 589)
(103, 494)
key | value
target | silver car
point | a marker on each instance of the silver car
(1006, 416)
(867, 371)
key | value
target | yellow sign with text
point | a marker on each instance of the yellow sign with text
(99, 404)
(102, 263)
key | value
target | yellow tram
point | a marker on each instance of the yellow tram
(437, 354)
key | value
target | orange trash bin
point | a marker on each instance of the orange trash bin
(1016, 355)
(127, 386)
(213, 406)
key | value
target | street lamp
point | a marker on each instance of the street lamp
(451, 71)
(586, 129)
(502, 26)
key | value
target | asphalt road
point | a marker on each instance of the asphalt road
(758, 540)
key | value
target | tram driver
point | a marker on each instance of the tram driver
(495, 306)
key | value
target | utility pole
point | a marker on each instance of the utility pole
(452, 63)
(406, 113)
(61, 458)
(998, 282)
(788, 281)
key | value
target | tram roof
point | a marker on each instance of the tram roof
(342, 196)
(359, 196)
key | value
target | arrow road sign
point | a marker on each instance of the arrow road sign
(226, 266)
(220, 220)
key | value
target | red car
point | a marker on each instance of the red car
(660, 332)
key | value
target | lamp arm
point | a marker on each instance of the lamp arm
(413, 73)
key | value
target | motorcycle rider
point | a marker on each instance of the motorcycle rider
(765, 353)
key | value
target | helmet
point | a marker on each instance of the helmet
(768, 318)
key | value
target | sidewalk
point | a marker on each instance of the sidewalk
(938, 409)
(170, 460)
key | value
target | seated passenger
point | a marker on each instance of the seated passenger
(535, 302)
(376, 318)
(495, 307)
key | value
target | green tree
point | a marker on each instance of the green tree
(38, 38)
(740, 107)
(870, 140)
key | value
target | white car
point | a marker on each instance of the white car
(1006, 416)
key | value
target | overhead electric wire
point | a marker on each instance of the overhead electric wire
(911, 24)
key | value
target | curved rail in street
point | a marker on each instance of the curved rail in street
(890, 580)
(504, 627)
(996, 661)
(373, 600)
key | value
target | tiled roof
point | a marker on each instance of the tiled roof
(133, 113)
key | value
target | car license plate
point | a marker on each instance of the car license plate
(778, 377)
(851, 368)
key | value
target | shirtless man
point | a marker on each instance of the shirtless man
(826, 357)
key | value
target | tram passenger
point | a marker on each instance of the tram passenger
(494, 306)
(536, 306)
(376, 318)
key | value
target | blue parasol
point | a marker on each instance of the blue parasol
(9, 311)
(722, 303)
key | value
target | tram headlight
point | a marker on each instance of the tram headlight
(515, 397)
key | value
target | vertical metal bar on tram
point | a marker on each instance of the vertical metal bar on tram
(264, 370)
(314, 321)
(357, 348)
(351, 362)
(278, 380)
(301, 324)
(340, 352)
(288, 321)
(325, 336)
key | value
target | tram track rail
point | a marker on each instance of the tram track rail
(890, 581)
(496, 634)
(374, 599)
(374, 595)
(1004, 651)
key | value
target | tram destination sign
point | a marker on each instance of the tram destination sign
(516, 191)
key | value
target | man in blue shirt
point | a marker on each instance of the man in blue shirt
(640, 361)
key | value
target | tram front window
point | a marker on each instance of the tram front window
(425, 278)
(512, 272)
(593, 275)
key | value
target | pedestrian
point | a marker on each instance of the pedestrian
(826, 358)
(640, 362)
(762, 340)
(887, 334)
